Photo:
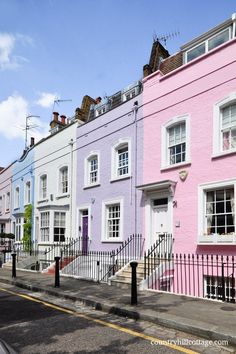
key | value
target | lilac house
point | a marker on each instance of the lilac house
(109, 151)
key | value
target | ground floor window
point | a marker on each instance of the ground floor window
(113, 221)
(217, 287)
(44, 226)
(219, 209)
(2, 228)
(18, 229)
(59, 226)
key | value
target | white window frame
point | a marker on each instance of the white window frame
(206, 42)
(60, 182)
(44, 227)
(27, 192)
(115, 161)
(87, 170)
(165, 160)
(18, 229)
(105, 206)
(59, 226)
(217, 134)
(17, 197)
(1, 204)
(202, 189)
(43, 196)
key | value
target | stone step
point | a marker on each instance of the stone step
(121, 284)
(125, 279)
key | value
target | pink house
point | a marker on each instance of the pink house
(189, 161)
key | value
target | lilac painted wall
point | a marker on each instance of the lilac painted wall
(5, 187)
(100, 135)
(193, 89)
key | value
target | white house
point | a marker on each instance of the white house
(55, 186)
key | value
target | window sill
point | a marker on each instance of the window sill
(223, 153)
(17, 208)
(116, 179)
(7, 211)
(61, 196)
(216, 239)
(113, 241)
(171, 167)
(92, 186)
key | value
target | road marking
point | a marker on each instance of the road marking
(103, 323)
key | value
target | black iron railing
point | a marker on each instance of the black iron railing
(163, 245)
(25, 249)
(67, 250)
(88, 265)
(201, 275)
(131, 249)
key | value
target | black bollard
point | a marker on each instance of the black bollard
(13, 265)
(134, 300)
(57, 273)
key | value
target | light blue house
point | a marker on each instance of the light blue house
(22, 193)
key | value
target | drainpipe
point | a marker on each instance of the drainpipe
(135, 110)
(71, 143)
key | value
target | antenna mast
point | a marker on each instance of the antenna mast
(29, 126)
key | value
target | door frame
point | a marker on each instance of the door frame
(80, 210)
(150, 196)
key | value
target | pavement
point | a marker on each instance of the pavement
(205, 318)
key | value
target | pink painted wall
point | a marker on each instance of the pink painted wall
(192, 89)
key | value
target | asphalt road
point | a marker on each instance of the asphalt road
(50, 325)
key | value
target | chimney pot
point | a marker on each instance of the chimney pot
(98, 100)
(55, 116)
(63, 119)
(31, 141)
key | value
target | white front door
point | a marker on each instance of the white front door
(160, 219)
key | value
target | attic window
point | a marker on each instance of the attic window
(208, 44)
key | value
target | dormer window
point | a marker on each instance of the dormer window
(208, 44)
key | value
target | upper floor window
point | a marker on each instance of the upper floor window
(208, 44)
(224, 125)
(92, 169)
(27, 192)
(7, 202)
(228, 127)
(175, 145)
(121, 160)
(17, 198)
(63, 180)
(43, 187)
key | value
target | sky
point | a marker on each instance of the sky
(65, 49)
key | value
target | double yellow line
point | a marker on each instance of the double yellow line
(104, 323)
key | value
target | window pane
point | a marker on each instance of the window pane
(218, 39)
(196, 52)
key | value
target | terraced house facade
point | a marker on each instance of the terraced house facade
(154, 160)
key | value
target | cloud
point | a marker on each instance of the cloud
(47, 99)
(13, 112)
(8, 60)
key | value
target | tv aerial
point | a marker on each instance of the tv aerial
(165, 37)
(29, 126)
(57, 101)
